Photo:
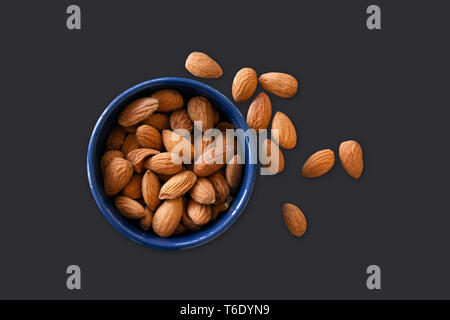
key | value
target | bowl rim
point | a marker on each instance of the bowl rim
(194, 239)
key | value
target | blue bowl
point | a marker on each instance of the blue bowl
(103, 127)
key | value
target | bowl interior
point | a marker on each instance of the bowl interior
(188, 88)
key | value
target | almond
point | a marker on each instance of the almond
(179, 230)
(280, 84)
(117, 175)
(131, 129)
(158, 121)
(274, 163)
(150, 190)
(178, 185)
(351, 155)
(137, 111)
(179, 145)
(203, 66)
(108, 157)
(164, 163)
(233, 173)
(115, 138)
(294, 219)
(223, 126)
(133, 189)
(128, 207)
(148, 137)
(201, 113)
(180, 120)
(244, 84)
(259, 112)
(219, 208)
(167, 218)
(202, 142)
(137, 157)
(200, 214)
(203, 191)
(318, 164)
(129, 144)
(221, 187)
(186, 221)
(146, 220)
(169, 100)
(216, 116)
(212, 160)
(287, 135)
(164, 177)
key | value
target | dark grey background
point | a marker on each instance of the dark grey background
(387, 89)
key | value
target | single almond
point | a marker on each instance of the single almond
(280, 84)
(203, 66)
(159, 121)
(201, 113)
(259, 112)
(202, 142)
(223, 126)
(146, 220)
(128, 207)
(178, 144)
(164, 163)
(179, 230)
(137, 157)
(117, 175)
(129, 144)
(137, 111)
(351, 155)
(244, 84)
(212, 160)
(115, 138)
(169, 100)
(150, 190)
(216, 116)
(133, 189)
(233, 173)
(167, 217)
(203, 191)
(148, 137)
(180, 120)
(186, 221)
(287, 135)
(178, 185)
(274, 159)
(294, 219)
(318, 164)
(221, 187)
(131, 129)
(108, 157)
(200, 214)
(217, 209)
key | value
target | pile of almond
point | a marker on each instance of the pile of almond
(154, 172)
(285, 135)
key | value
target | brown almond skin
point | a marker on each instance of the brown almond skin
(200, 214)
(137, 111)
(178, 185)
(115, 138)
(216, 116)
(179, 230)
(212, 160)
(128, 207)
(351, 156)
(280, 84)
(217, 209)
(148, 137)
(233, 174)
(150, 190)
(108, 157)
(169, 100)
(178, 144)
(278, 162)
(159, 121)
(164, 163)
(167, 217)
(203, 191)
(244, 84)
(133, 189)
(199, 109)
(287, 138)
(137, 157)
(146, 220)
(294, 219)
(221, 187)
(318, 164)
(223, 126)
(131, 129)
(129, 144)
(180, 120)
(186, 221)
(203, 66)
(260, 112)
(117, 175)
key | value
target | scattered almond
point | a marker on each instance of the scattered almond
(287, 135)
(294, 219)
(318, 164)
(259, 112)
(280, 84)
(244, 84)
(203, 66)
(351, 155)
